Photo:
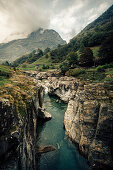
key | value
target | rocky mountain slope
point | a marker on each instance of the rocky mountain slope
(39, 39)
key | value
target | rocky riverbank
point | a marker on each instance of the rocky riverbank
(20, 102)
(88, 120)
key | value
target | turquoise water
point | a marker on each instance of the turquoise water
(66, 157)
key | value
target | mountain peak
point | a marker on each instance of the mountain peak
(41, 38)
(44, 32)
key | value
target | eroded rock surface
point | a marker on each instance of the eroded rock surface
(89, 117)
(18, 131)
(43, 114)
(89, 121)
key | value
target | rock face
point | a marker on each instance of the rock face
(63, 87)
(88, 119)
(89, 122)
(43, 115)
(18, 132)
(8, 119)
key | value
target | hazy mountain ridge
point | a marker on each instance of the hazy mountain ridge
(38, 39)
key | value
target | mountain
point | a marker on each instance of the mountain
(92, 35)
(98, 30)
(39, 39)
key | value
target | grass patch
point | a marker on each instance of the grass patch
(76, 72)
(18, 89)
(102, 68)
(4, 80)
(42, 64)
(109, 72)
(87, 74)
(6, 71)
(95, 51)
(27, 67)
(43, 60)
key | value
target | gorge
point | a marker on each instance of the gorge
(88, 122)
(66, 155)
(88, 119)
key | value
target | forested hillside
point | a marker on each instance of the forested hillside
(93, 35)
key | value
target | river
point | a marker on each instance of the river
(66, 157)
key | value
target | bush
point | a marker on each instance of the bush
(6, 71)
(100, 69)
(103, 67)
(40, 69)
(24, 66)
(52, 66)
(45, 66)
(72, 58)
(76, 72)
(64, 67)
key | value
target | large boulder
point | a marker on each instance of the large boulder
(43, 114)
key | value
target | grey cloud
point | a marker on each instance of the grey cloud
(28, 15)
(25, 15)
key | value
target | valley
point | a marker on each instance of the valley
(56, 100)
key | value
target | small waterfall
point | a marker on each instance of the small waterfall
(46, 89)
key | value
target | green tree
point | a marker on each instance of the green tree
(106, 51)
(64, 67)
(72, 58)
(82, 47)
(40, 52)
(86, 58)
(47, 50)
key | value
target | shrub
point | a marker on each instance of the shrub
(100, 69)
(52, 66)
(24, 66)
(72, 58)
(103, 67)
(45, 66)
(76, 72)
(64, 67)
(5, 71)
(40, 69)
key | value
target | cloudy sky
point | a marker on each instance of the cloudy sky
(68, 17)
